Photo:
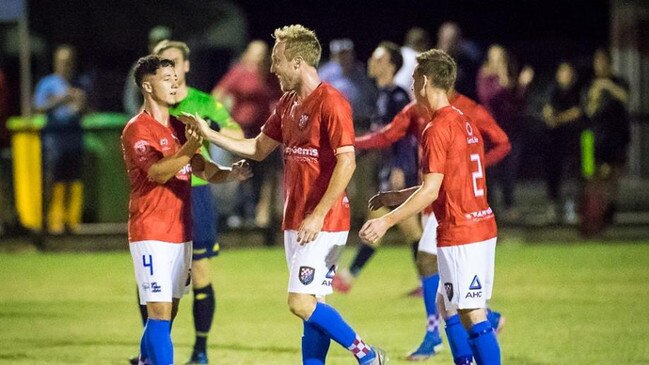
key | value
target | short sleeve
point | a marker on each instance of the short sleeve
(436, 140)
(140, 147)
(273, 126)
(337, 119)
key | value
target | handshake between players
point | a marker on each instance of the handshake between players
(202, 167)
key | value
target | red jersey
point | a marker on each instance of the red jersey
(156, 212)
(311, 131)
(414, 118)
(452, 145)
(497, 144)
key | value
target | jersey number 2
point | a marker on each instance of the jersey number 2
(477, 175)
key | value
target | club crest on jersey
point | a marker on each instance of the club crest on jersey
(304, 120)
(140, 146)
(164, 142)
(448, 287)
(306, 274)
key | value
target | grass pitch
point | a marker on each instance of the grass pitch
(565, 304)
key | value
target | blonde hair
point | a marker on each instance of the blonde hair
(300, 42)
(439, 67)
(166, 44)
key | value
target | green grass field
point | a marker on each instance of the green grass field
(572, 304)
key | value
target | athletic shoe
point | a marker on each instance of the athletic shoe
(381, 357)
(417, 292)
(342, 281)
(430, 346)
(136, 361)
(197, 358)
(496, 320)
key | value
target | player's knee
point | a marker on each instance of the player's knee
(441, 308)
(469, 317)
(302, 305)
(426, 263)
(159, 310)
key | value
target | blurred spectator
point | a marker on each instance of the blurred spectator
(63, 102)
(399, 168)
(417, 41)
(132, 97)
(606, 107)
(251, 92)
(466, 53)
(347, 75)
(562, 115)
(502, 91)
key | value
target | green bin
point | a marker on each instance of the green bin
(105, 179)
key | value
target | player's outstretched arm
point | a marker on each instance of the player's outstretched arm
(343, 171)
(391, 198)
(251, 148)
(168, 167)
(208, 170)
(423, 196)
(388, 134)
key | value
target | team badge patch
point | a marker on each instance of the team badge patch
(448, 287)
(475, 284)
(306, 274)
(304, 120)
(141, 146)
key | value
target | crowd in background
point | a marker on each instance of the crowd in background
(574, 102)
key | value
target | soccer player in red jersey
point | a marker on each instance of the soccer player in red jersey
(412, 120)
(314, 123)
(454, 182)
(160, 157)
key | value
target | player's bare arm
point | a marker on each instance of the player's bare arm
(257, 148)
(167, 167)
(391, 198)
(374, 229)
(343, 171)
(215, 173)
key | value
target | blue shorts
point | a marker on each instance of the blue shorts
(204, 223)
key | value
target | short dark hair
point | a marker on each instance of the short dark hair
(394, 51)
(149, 65)
(439, 67)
